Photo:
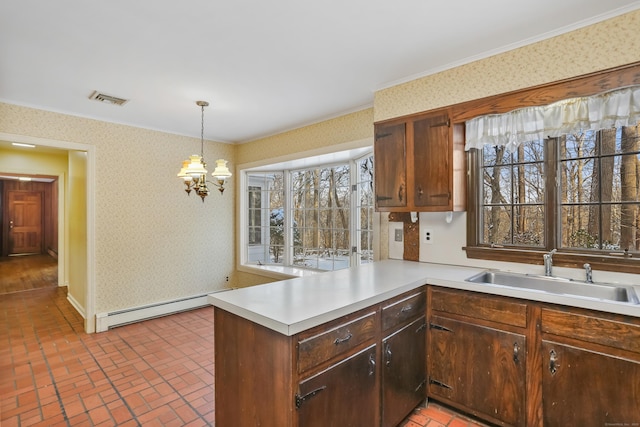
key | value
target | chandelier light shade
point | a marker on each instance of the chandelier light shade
(194, 169)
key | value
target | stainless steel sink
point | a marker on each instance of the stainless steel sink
(557, 285)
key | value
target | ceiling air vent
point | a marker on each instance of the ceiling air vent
(103, 97)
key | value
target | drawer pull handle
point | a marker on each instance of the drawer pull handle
(406, 308)
(341, 340)
(301, 399)
(516, 350)
(439, 327)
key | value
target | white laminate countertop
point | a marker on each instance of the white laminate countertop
(294, 305)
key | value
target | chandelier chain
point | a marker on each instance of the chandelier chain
(202, 131)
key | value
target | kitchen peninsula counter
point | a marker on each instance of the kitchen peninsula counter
(295, 305)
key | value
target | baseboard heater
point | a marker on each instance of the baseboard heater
(106, 321)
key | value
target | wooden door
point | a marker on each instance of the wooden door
(432, 155)
(345, 395)
(480, 368)
(390, 166)
(25, 222)
(588, 388)
(404, 372)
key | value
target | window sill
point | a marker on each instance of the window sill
(602, 261)
(279, 272)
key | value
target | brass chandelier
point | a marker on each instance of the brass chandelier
(194, 169)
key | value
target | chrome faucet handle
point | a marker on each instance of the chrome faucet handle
(548, 262)
(588, 272)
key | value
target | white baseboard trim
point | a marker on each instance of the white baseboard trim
(106, 321)
(79, 308)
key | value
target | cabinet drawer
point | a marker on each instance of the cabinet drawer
(405, 309)
(593, 329)
(478, 306)
(328, 344)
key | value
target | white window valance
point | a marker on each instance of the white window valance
(620, 107)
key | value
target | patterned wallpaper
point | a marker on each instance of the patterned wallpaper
(597, 47)
(350, 127)
(153, 243)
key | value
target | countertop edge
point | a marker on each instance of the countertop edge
(419, 274)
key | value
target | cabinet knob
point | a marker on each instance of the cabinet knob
(516, 351)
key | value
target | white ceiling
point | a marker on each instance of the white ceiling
(265, 66)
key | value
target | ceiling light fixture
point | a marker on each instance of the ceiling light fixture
(22, 144)
(194, 169)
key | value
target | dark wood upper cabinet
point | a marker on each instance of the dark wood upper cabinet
(432, 158)
(420, 164)
(390, 156)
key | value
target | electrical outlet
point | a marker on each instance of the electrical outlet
(427, 235)
(398, 234)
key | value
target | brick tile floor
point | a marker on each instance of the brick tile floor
(153, 373)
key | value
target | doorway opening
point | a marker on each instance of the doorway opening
(28, 232)
(74, 164)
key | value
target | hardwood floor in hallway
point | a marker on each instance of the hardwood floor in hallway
(27, 272)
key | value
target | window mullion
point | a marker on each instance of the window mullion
(288, 219)
(354, 220)
(552, 208)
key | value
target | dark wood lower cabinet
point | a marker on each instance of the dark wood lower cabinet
(403, 372)
(510, 362)
(481, 368)
(588, 388)
(344, 393)
(329, 375)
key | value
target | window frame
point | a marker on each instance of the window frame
(350, 158)
(586, 85)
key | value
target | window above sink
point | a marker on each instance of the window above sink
(575, 191)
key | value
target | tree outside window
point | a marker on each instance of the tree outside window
(319, 218)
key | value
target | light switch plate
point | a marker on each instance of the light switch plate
(396, 247)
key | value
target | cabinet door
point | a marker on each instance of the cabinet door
(480, 368)
(586, 388)
(403, 372)
(345, 394)
(390, 165)
(432, 155)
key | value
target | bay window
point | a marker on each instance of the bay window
(318, 217)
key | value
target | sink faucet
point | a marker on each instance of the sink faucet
(588, 272)
(548, 262)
